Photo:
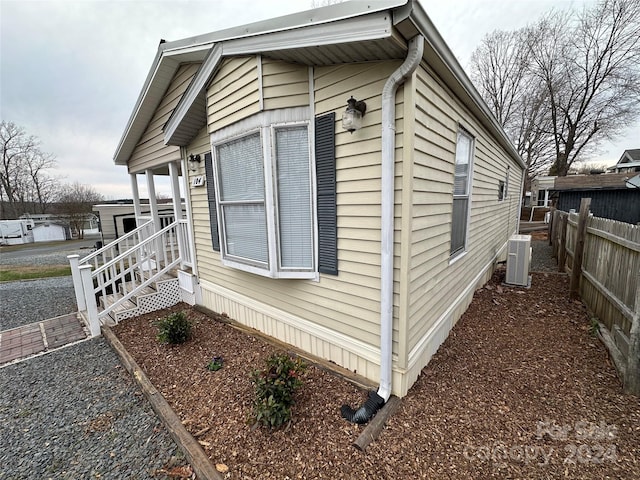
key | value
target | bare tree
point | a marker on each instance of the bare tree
(24, 182)
(500, 70)
(75, 203)
(592, 75)
(565, 84)
(43, 186)
(585, 168)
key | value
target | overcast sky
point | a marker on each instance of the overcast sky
(71, 70)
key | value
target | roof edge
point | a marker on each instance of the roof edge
(136, 108)
(292, 21)
(371, 25)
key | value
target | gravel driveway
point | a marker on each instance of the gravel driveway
(31, 301)
(75, 413)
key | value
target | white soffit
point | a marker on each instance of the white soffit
(350, 40)
(162, 72)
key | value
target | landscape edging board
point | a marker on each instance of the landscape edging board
(191, 448)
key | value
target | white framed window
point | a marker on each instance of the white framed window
(461, 192)
(503, 186)
(263, 173)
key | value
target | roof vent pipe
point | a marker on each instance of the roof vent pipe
(414, 56)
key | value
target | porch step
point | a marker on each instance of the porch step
(130, 286)
(165, 276)
(108, 300)
(161, 293)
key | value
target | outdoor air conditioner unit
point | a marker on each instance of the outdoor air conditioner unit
(518, 260)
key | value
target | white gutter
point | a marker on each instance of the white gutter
(414, 56)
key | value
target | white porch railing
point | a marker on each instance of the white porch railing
(125, 242)
(135, 261)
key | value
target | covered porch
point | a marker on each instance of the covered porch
(147, 269)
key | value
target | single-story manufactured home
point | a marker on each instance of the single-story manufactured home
(16, 232)
(541, 188)
(629, 162)
(347, 189)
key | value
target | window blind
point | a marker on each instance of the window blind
(294, 197)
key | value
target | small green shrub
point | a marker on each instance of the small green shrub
(274, 389)
(174, 328)
(215, 364)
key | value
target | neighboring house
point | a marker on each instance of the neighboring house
(51, 231)
(629, 162)
(541, 187)
(90, 223)
(362, 246)
(611, 195)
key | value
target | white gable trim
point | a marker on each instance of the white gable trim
(368, 27)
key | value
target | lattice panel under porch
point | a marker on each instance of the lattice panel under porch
(167, 295)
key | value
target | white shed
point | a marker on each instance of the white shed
(50, 232)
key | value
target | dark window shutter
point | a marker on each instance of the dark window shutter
(326, 201)
(211, 193)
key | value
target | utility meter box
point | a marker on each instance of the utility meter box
(518, 261)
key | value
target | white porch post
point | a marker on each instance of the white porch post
(77, 282)
(187, 196)
(177, 208)
(136, 196)
(546, 198)
(90, 299)
(155, 216)
(153, 203)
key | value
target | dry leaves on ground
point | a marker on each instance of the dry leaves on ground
(520, 389)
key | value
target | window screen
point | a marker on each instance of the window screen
(460, 213)
(241, 181)
(294, 197)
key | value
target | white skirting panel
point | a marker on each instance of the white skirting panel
(320, 341)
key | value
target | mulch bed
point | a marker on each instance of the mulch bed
(520, 389)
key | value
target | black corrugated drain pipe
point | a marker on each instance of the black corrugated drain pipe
(366, 411)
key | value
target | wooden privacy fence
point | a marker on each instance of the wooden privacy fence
(602, 257)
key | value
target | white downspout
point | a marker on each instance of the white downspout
(411, 63)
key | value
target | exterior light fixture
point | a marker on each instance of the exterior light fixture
(194, 162)
(352, 116)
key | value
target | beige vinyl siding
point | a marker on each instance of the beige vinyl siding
(284, 85)
(151, 151)
(199, 207)
(435, 281)
(234, 92)
(350, 302)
